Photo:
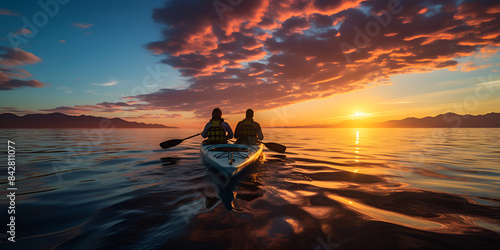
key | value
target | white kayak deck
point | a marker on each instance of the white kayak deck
(230, 158)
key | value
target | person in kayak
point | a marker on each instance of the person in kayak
(248, 131)
(217, 131)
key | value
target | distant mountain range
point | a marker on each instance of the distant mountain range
(448, 120)
(59, 120)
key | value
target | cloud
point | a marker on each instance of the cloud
(267, 54)
(173, 116)
(14, 72)
(15, 110)
(8, 82)
(22, 32)
(64, 89)
(9, 74)
(155, 116)
(66, 110)
(6, 12)
(106, 84)
(470, 66)
(83, 25)
(16, 83)
(16, 56)
(104, 107)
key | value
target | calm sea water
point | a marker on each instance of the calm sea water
(332, 189)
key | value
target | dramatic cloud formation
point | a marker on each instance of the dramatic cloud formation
(8, 74)
(266, 54)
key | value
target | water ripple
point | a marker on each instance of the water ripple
(339, 188)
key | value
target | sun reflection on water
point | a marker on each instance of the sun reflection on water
(357, 148)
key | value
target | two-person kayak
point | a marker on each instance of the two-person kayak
(230, 158)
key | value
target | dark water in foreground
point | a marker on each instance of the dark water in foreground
(333, 189)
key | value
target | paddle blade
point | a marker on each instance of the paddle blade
(275, 147)
(170, 143)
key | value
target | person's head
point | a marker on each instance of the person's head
(216, 114)
(249, 113)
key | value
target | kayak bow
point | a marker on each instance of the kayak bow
(230, 158)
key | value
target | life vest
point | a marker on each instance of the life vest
(216, 134)
(247, 133)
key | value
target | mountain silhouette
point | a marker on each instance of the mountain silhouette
(448, 120)
(59, 120)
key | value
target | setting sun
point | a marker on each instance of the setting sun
(359, 114)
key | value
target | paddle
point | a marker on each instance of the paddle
(276, 147)
(175, 142)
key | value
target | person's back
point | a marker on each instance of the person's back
(248, 131)
(216, 130)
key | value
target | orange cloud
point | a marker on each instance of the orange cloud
(156, 116)
(470, 66)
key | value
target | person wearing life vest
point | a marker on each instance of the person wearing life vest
(217, 131)
(248, 130)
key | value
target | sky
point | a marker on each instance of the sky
(295, 63)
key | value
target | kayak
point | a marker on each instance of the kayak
(230, 158)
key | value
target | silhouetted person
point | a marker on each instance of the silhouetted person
(248, 131)
(217, 131)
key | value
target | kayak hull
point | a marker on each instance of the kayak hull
(230, 158)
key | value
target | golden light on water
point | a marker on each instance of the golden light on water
(357, 148)
(389, 216)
